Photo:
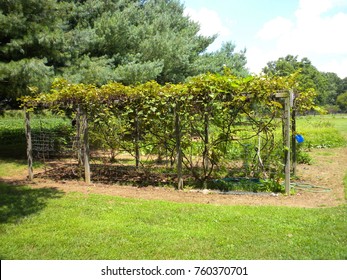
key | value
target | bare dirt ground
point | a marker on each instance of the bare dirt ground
(327, 171)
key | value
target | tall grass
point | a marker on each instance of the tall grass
(322, 131)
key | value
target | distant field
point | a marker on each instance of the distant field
(325, 131)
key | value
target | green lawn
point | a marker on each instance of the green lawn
(49, 224)
(11, 167)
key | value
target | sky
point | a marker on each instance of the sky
(270, 29)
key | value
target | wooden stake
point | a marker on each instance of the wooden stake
(178, 149)
(78, 136)
(137, 140)
(29, 145)
(293, 130)
(288, 103)
(86, 148)
(294, 145)
(287, 143)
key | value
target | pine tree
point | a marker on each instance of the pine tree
(31, 42)
(98, 41)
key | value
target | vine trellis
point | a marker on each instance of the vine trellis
(197, 125)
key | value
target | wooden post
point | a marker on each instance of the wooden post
(178, 148)
(206, 142)
(78, 136)
(205, 157)
(29, 145)
(287, 143)
(137, 140)
(86, 148)
(288, 101)
(294, 146)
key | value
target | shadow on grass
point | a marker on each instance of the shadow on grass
(17, 202)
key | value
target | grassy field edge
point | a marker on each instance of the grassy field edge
(50, 224)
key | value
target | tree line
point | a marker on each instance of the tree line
(331, 89)
(126, 41)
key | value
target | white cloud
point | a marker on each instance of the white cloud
(336, 66)
(314, 32)
(275, 28)
(313, 8)
(210, 24)
(257, 59)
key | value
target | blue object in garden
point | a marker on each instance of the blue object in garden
(299, 138)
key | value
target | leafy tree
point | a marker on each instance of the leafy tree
(344, 85)
(342, 101)
(327, 85)
(332, 87)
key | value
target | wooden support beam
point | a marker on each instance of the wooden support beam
(86, 148)
(137, 140)
(78, 137)
(287, 142)
(294, 145)
(179, 154)
(281, 94)
(29, 145)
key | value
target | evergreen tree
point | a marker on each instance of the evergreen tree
(97, 41)
(215, 62)
(31, 44)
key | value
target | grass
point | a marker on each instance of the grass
(11, 167)
(338, 121)
(48, 224)
(323, 131)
